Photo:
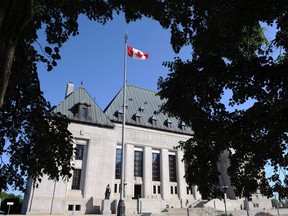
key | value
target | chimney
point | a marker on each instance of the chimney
(69, 89)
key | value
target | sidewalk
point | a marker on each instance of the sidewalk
(282, 212)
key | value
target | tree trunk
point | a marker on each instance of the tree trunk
(14, 16)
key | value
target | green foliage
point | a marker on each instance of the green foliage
(35, 140)
(225, 214)
(263, 214)
(284, 204)
(276, 203)
(230, 52)
(4, 195)
(16, 199)
(15, 208)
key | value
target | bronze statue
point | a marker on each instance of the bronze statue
(107, 192)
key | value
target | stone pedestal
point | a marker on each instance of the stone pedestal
(106, 207)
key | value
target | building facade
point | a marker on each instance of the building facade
(154, 170)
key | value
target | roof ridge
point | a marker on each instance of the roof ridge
(141, 88)
(112, 100)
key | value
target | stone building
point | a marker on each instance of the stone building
(154, 172)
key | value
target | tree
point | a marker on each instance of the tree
(284, 203)
(276, 203)
(15, 15)
(4, 195)
(231, 54)
(34, 140)
(16, 199)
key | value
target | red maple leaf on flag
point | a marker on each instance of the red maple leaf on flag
(134, 53)
(139, 54)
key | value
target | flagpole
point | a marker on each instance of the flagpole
(121, 204)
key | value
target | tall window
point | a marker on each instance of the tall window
(172, 168)
(84, 113)
(79, 152)
(76, 179)
(138, 163)
(118, 163)
(155, 166)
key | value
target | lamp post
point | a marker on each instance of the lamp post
(225, 187)
(247, 206)
(276, 203)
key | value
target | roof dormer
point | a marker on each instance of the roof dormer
(168, 123)
(136, 117)
(83, 111)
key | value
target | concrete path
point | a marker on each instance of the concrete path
(282, 212)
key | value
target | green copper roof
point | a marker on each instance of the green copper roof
(74, 104)
(142, 108)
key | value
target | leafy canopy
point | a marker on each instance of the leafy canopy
(34, 140)
(231, 53)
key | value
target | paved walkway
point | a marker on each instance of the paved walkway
(282, 212)
(274, 212)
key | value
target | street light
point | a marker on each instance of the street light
(225, 187)
(276, 203)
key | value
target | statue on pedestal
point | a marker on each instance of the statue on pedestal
(107, 192)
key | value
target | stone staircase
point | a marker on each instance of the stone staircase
(199, 211)
(200, 204)
(204, 211)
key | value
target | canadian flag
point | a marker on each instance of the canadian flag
(137, 54)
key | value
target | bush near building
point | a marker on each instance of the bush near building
(16, 199)
(263, 214)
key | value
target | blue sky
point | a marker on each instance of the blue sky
(96, 58)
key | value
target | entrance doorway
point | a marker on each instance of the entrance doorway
(137, 191)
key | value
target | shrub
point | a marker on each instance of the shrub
(263, 214)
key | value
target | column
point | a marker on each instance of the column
(147, 172)
(129, 170)
(180, 175)
(196, 193)
(164, 166)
